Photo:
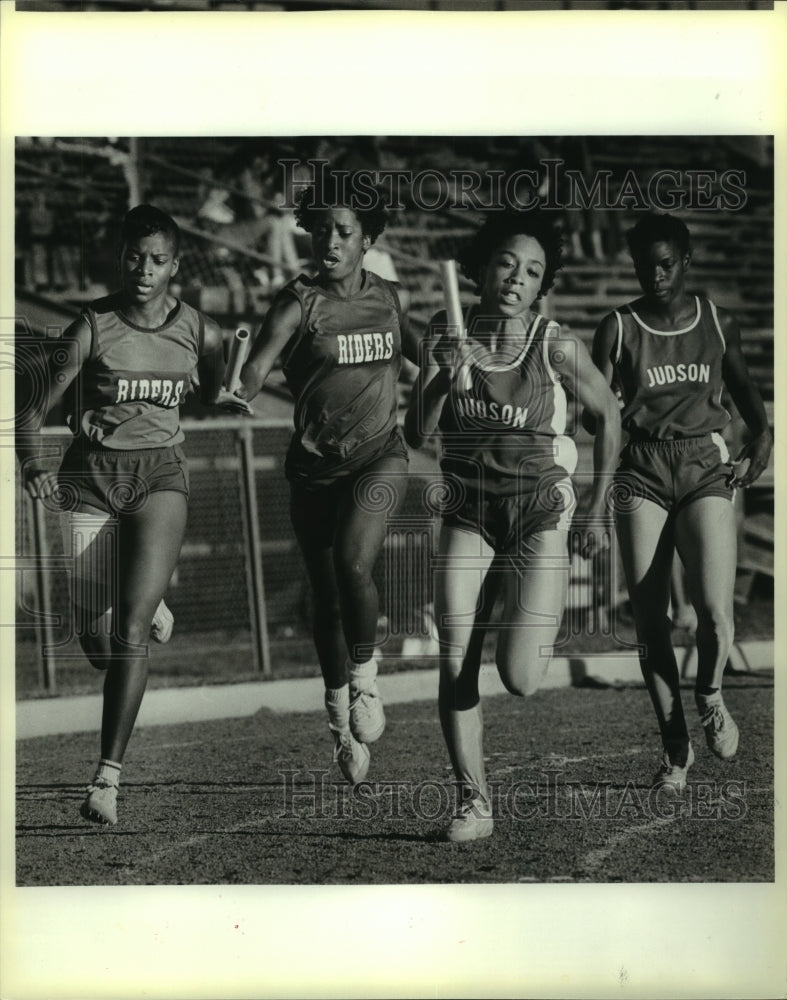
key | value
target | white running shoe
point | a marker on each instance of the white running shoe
(352, 757)
(473, 821)
(161, 626)
(367, 718)
(671, 776)
(721, 731)
(100, 806)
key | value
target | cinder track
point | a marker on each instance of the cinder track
(257, 801)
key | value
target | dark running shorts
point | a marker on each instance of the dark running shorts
(505, 522)
(310, 472)
(673, 473)
(118, 482)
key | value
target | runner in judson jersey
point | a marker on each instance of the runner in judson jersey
(669, 354)
(122, 370)
(340, 336)
(499, 400)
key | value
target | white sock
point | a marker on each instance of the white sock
(362, 675)
(109, 770)
(337, 701)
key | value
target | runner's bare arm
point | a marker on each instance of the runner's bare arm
(436, 360)
(279, 325)
(63, 365)
(583, 379)
(748, 400)
(602, 355)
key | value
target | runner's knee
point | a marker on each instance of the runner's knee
(521, 679)
(133, 627)
(354, 573)
(717, 619)
(451, 664)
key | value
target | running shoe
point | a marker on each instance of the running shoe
(367, 718)
(161, 626)
(721, 732)
(352, 757)
(100, 806)
(672, 773)
(473, 821)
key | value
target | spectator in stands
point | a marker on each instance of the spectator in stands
(218, 214)
(66, 241)
(213, 197)
(670, 353)
(241, 205)
(497, 397)
(341, 335)
(51, 240)
(95, 218)
(122, 370)
(40, 234)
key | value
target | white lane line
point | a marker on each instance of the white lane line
(225, 741)
(199, 838)
(633, 751)
(596, 858)
(557, 760)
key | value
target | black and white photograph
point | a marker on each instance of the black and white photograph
(393, 512)
(345, 513)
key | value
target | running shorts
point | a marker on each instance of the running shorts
(118, 482)
(673, 472)
(505, 522)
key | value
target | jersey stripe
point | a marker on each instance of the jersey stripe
(559, 404)
(720, 443)
(718, 325)
(671, 333)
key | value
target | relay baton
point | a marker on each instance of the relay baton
(240, 345)
(453, 306)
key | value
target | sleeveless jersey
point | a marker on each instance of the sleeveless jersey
(135, 379)
(671, 381)
(503, 422)
(342, 366)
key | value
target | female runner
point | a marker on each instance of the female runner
(126, 364)
(670, 353)
(498, 399)
(340, 336)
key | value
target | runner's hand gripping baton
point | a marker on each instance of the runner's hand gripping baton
(453, 306)
(239, 351)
